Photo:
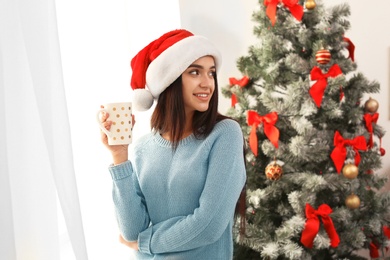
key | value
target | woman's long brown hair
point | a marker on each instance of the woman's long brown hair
(169, 116)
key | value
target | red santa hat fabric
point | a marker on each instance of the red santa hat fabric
(163, 60)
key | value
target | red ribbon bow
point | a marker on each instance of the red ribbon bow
(339, 153)
(370, 119)
(318, 89)
(351, 48)
(241, 82)
(269, 120)
(312, 225)
(295, 9)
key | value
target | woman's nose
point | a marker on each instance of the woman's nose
(207, 80)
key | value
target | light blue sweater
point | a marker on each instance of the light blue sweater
(180, 205)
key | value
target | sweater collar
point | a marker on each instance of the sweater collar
(166, 143)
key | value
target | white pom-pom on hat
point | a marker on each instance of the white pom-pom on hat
(142, 99)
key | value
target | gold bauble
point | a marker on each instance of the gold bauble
(273, 171)
(352, 201)
(371, 105)
(350, 171)
(310, 4)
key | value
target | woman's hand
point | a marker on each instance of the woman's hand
(119, 152)
(132, 244)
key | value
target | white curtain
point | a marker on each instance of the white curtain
(36, 161)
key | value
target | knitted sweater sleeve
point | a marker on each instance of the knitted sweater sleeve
(225, 179)
(130, 206)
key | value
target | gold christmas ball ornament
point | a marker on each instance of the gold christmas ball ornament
(350, 171)
(371, 105)
(310, 4)
(352, 201)
(273, 171)
(323, 56)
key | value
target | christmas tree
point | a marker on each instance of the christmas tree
(314, 146)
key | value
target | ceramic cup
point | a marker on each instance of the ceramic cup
(121, 128)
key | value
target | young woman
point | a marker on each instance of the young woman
(176, 196)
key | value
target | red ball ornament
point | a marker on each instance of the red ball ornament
(323, 56)
(273, 171)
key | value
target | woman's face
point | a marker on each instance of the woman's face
(198, 84)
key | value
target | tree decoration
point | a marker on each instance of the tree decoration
(310, 4)
(268, 121)
(318, 89)
(350, 171)
(371, 105)
(351, 48)
(375, 245)
(273, 171)
(386, 231)
(352, 201)
(370, 120)
(341, 93)
(339, 153)
(312, 225)
(374, 249)
(323, 56)
(237, 82)
(295, 9)
(381, 149)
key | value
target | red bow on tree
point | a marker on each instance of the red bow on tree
(295, 9)
(241, 82)
(339, 153)
(312, 225)
(269, 120)
(351, 48)
(370, 119)
(318, 89)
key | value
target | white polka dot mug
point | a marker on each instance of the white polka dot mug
(121, 128)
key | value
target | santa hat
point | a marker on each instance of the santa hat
(163, 60)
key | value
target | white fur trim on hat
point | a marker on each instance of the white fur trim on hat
(142, 99)
(172, 62)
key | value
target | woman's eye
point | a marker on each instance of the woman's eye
(194, 72)
(212, 74)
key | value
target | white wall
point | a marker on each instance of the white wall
(228, 24)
